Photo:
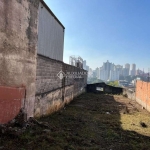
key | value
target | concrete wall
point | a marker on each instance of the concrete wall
(51, 92)
(38, 94)
(105, 88)
(18, 47)
(143, 94)
(129, 92)
(10, 103)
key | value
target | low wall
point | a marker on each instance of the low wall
(52, 93)
(143, 94)
(129, 92)
(103, 88)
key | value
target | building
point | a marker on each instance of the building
(133, 70)
(127, 69)
(87, 68)
(107, 66)
(84, 64)
(104, 71)
(120, 69)
(125, 72)
(127, 65)
(97, 73)
(33, 76)
(76, 61)
(94, 74)
(123, 83)
(90, 73)
(114, 75)
(110, 71)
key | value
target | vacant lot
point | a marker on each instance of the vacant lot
(90, 122)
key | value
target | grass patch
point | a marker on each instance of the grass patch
(91, 121)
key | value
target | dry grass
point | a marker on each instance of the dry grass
(133, 116)
(90, 122)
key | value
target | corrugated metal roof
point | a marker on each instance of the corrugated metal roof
(50, 35)
(45, 5)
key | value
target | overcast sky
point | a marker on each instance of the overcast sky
(101, 30)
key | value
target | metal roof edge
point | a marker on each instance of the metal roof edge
(45, 5)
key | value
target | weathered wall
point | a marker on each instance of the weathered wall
(45, 92)
(46, 76)
(10, 103)
(51, 92)
(79, 83)
(106, 88)
(129, 92)
(18, 47)
(143, 94)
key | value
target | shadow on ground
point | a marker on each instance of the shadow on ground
(90, 122)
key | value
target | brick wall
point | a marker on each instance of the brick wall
(46, 75)
(143, 94)
(79, 83)
(51, 92)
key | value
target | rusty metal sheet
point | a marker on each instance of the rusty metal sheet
(10, 103)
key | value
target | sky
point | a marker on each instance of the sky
(101, 30)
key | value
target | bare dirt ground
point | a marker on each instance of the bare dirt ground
(89, 122)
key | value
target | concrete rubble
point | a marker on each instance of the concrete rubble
(18, 126)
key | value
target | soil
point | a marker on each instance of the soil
(90, 122)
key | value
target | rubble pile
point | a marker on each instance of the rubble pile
(19, 125)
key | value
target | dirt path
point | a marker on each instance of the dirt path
(90, 122)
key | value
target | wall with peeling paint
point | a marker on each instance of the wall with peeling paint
(18, 47)
(22, 70)
(10, 103)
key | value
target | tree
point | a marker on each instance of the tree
(113, 83)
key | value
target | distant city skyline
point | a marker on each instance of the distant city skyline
(101, 30)
(137, 68)
(146, 69)
(112, 72)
